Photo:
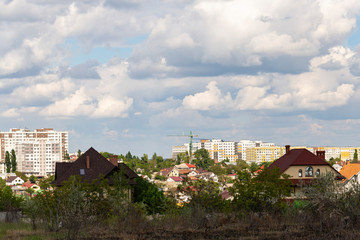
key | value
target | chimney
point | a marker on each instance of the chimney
(321, 154)
(287, 149)
(87, 161)
(114, 160)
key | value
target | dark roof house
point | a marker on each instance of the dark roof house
(304, 167)
(90, 166)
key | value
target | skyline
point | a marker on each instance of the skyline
(123, 75)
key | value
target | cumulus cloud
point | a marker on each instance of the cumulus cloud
(244, 34)
(207, 99)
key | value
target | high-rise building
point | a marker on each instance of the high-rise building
(220, 150)
(36, 151)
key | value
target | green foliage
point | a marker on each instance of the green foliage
(159, 177)
(2, 183)
(355, 157)
(204, 194)
(7, 162)
(150, 195)
(45, 183)
(202, 159)
(66, 155)
(13, 161)
(22, 176)
(332, 160)
(79, 153)
(32, 179)
(263, 192)
(8, 200)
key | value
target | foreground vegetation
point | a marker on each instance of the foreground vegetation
(96, 211)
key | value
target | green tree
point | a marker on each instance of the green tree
(66, 155)
(355, 157)
(150, 195)
(202, 159)
(263, 192)
(32, 179)
(13, 161)
(78, 153)
(7, 162)
(204, 195)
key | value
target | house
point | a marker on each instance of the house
(169, 172)
(33, 186)
(208, 176)
(191, 166)
(304, 167)
(175, 179)
(90, 166)
(14, 180)
(351, 172)
(232, 176)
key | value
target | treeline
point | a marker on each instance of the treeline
(258, 209)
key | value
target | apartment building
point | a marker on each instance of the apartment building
(36, 151)
(220, 150)
(176, 150)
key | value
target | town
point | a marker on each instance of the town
(214, 175)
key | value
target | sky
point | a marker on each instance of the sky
(123, 75)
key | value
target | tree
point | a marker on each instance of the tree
(263, 192)
(202, 159)
(78, 153)
(13, 161)
(150, 195)
(66, 155)
(32, 179)
(7, 162)
(355, 156)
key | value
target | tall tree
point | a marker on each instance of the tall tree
(355, 156)
(78, 153)
(66, 155)
(202, 159)
(13, 161)
(7, 162)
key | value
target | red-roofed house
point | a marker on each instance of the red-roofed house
(175, 179)
(191, 166)
(303, 167)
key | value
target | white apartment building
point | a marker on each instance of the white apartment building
(176, 150)
(36, 151)
(221, 150)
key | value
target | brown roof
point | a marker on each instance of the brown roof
(185, 171)
(165, 171)
(350, 170)
(99, 165)
(11, 178)
(297, 157)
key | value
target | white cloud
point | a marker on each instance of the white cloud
(245, 33)
(206, 100)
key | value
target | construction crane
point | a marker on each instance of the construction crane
(191, 136)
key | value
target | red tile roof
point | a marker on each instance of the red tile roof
(190, 165)
(297, 157)
(177, 179)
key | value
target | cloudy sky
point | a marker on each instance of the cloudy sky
(123, 75)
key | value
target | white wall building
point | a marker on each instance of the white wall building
(221, 150)
(36, 151)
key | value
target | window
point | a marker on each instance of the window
(318, 173)
(300, 173)
(309, 172)
(82, 171)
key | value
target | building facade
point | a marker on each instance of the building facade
(36, 151)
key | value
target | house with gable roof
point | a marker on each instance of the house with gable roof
(90, 166)
(14, 180)
(304, 167)
(351, 171)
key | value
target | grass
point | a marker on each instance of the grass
(23, 231)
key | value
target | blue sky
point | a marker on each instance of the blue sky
(123, 75)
